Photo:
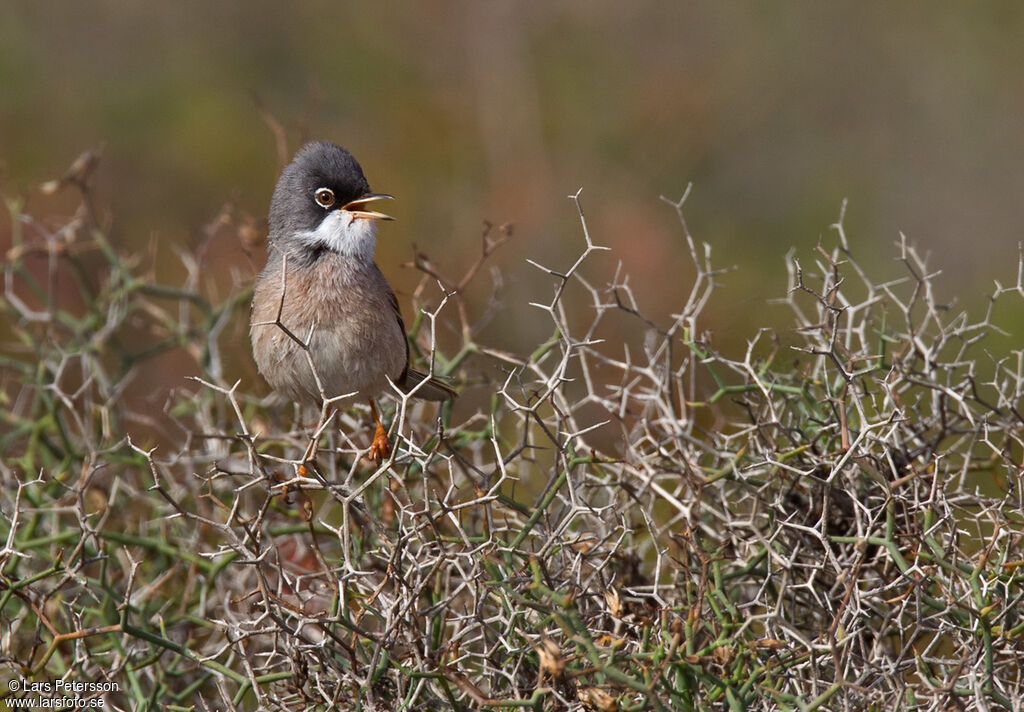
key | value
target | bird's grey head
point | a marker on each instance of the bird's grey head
(321, 203)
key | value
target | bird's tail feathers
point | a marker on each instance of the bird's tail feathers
(433, 388)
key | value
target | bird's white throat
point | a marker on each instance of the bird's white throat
(345, 234)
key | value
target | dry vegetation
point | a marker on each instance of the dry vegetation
(836, 527)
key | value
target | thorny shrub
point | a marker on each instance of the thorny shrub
(831, 524)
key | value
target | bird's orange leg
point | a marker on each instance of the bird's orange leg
(381, 448)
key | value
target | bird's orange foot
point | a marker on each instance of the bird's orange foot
(381, 448)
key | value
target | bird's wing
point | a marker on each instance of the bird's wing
(433, 389)
(393, 300)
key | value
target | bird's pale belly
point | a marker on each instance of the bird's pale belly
(343, 312)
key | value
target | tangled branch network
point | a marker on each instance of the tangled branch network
(829, 519)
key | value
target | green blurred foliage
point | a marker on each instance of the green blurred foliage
(471, 111)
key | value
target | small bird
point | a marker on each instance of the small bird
(325, 322)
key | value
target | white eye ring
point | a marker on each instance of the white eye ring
(324, 197)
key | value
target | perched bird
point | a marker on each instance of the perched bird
(324, 320)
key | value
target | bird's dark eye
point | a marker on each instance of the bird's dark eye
(324, 197)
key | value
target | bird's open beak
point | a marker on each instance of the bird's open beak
(356, 206)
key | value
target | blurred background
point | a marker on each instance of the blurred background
(471, 111)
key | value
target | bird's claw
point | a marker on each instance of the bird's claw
(381, 448)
